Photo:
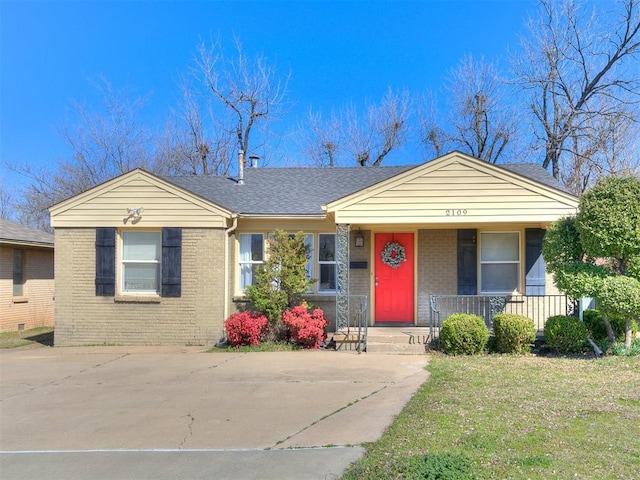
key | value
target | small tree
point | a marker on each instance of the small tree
(597, 252)
(283, 278)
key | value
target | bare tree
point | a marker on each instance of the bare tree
(193, 143)
(578, 67)
(248, 91)
(7, 204)
(320, 139)
(102, 144)
(370, 138)
(352, 137)
(607, 147)
(478, 122)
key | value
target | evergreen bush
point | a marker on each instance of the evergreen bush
(463, 334)
(513, 333)
(565, 334)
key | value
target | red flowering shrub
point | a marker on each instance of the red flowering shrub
(245, 328)
(307, 329)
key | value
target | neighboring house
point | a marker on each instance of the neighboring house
(26, 278)
(143, 259)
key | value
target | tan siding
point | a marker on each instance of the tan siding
(36, 307)
(195, 318)
(164, 206)
(455, 192)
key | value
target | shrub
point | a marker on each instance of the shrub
(595, 325)
(463, 334)
(282, 278)
(245, 328)
(620, 349)
(439, 466)
(514, 333)
(565, 334)
(306, 328)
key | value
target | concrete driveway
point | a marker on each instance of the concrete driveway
(177, 412)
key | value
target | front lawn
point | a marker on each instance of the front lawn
(509, 417)
(42, 335)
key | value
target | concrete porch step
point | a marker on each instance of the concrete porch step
(399, 340)
(397, 348)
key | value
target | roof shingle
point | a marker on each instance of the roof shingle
(303, 190)
(14, 233)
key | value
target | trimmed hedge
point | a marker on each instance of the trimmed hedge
(514, 333)
(463, 334)
(565, 334)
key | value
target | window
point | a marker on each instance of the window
(327, 262)
(141, 262)
(18, 273)
(499, 262)
(251, 257)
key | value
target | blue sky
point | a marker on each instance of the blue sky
(336, 52)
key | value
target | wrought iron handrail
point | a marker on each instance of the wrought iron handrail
(538, 308)
(357, 323)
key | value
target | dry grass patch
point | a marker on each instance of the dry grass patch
(522, 417)
(43, 335)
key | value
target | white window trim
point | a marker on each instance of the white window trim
(240, 262)
(124, 262)
(517, 262)
(326, 262)
(314, 262)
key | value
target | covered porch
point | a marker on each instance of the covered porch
(453, 235)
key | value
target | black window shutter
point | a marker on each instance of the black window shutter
(467, 261)
(534, 263)
(171, 262)
(105, 261)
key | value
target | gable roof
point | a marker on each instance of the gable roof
(304, 190)
(15, 234)
(285, 191)
(479, 191)
(164, 202)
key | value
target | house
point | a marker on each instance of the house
(26, 278)
(144, 259)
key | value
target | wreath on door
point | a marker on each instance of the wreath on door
(393, 254)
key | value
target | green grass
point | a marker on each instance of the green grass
(43, 335)
(513, 417)
(263, 347)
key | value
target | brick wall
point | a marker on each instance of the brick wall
(195, 318)
(437, 274)
(36, 307)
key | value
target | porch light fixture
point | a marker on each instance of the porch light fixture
(359, 239)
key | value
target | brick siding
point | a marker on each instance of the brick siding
(195, 318)
(36, 307)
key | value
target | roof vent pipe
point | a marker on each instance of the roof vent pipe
(254, 160)
(240, 167)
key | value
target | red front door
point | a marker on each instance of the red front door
(393, 283)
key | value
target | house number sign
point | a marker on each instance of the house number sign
(455, 212)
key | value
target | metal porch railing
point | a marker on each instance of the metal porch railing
(537, 308)
(353, 335)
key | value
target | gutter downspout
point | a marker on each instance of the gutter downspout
(228, 232)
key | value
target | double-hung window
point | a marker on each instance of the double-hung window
(141, 262)
(327, 262)
(499, 262)
(251, 257)
(18, 273)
